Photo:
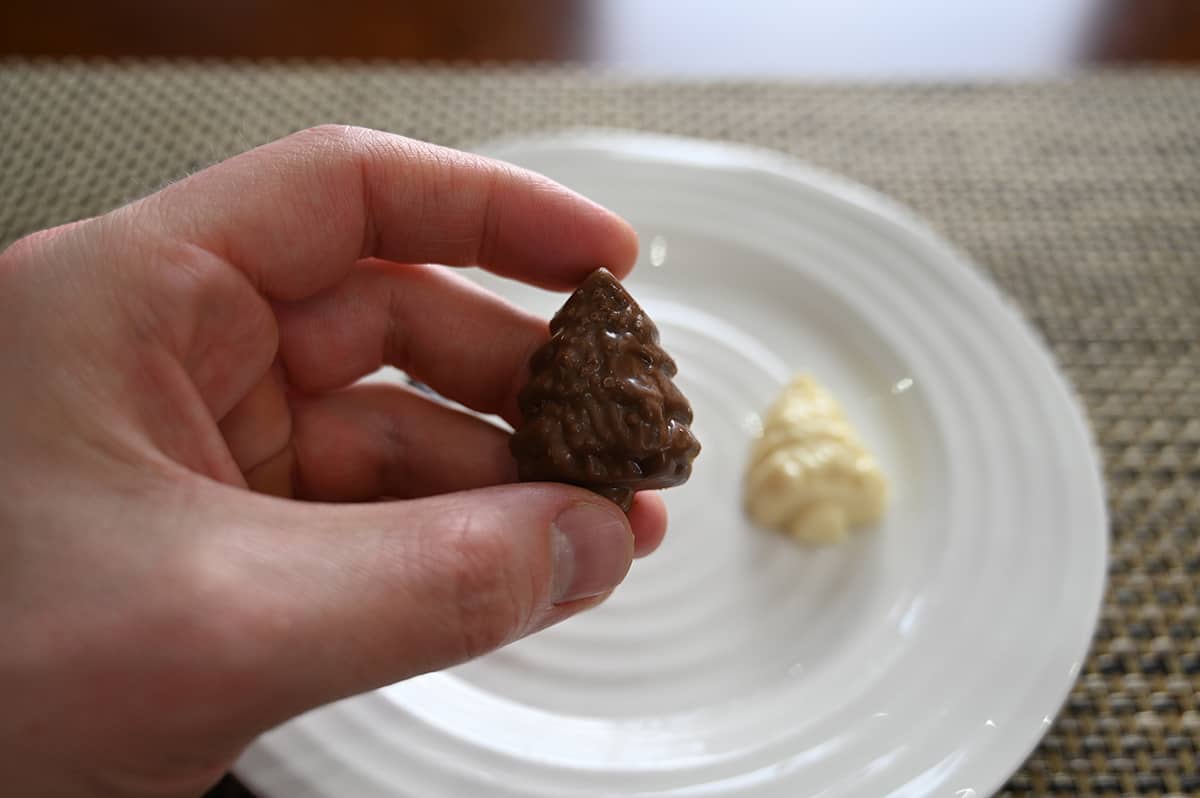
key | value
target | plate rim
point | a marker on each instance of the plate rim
(948, 257)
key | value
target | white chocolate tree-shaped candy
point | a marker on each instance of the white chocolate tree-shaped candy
(809, 473)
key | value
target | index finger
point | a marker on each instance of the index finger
(296, 214)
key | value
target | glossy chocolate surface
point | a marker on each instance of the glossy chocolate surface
(601, 409)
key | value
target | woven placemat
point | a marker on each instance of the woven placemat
(1080, 197)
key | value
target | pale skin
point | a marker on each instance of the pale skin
(206, 528)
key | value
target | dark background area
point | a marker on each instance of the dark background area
(871, 38)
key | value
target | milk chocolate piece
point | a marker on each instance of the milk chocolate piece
(600, 409)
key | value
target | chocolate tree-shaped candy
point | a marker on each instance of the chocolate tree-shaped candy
(600, 409)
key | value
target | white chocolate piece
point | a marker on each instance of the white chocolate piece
(809, 473)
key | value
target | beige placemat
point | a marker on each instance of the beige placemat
(1081, 198)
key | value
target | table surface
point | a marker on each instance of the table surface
(1080, 197)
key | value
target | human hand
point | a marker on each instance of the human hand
(177, 376)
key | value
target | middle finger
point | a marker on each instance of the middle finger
(464, 341)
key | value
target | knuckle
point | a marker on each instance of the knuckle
(333, 138)
(491, 600)
(197, 277)
(339, 159)
(203, 299)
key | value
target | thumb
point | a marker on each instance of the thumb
(343, 599)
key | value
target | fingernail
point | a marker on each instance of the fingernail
(592, 550)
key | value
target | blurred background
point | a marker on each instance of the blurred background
(854, 38)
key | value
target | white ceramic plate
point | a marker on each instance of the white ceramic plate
(926, 657)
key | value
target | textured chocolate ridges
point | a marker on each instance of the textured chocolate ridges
(600, 409)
